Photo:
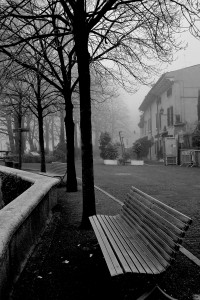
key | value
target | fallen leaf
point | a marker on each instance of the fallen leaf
(65, 262)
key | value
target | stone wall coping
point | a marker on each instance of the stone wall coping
(14, 214)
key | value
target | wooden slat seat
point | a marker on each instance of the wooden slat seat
(144, 238)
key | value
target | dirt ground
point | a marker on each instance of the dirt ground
(68, 264)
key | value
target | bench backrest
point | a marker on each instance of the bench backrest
(158, 224)
(58, 167)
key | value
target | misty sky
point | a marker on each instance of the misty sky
(184, 58)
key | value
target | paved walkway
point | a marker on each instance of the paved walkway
(68, 264)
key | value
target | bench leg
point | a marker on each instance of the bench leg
(156, 293)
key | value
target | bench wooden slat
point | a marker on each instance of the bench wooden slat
(157, 228)
(147, 231)
(143, 242)
(174, 232)
(137, 242)
(134, 250)
(147, 238)
(160, 211)
(116, 245)
(132, 258)
(165, 207)
(112, 263)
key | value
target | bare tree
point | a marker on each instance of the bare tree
(15, 102)
(41, 37)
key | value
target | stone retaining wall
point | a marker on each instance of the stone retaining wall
(22, 222)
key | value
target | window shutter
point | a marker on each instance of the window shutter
(172, 116)
(168, 117)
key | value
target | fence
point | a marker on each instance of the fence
(190, 157)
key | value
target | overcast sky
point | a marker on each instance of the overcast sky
(184, 58)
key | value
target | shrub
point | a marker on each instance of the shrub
(111, 152)
(49, 158)
(59, 155)
(29, 158)
(141, 147)
(104, 140)
(12, 186)
(60, 152)
(137, 148)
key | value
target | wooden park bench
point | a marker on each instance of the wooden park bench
(144, 238)
(56, 169)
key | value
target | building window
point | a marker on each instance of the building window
(169, 92)
(178, 119)
(170, 119)
(149, 125)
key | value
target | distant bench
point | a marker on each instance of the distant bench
(143, 238)
(57, 170)
(4, 154)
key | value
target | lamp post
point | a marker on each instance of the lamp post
(122, 143)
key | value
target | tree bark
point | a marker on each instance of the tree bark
(41, 141)
(62, 134)
(47, 134)
(71, 183)
(10, 133)
(52, 132)
(81, 46)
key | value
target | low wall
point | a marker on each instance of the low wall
(22, 222)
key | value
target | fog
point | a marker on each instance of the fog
(184, 58)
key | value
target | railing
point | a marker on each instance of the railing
(190, 157)
(22, 222)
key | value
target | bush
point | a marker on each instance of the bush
(60, 152)
(137, 148)
(29, 158)
(59, 155)
(12, 157)
(50, 158)
(12, 186)
(111, 152)
(141, 147)
(104, 140)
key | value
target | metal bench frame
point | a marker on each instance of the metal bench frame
(144, 238)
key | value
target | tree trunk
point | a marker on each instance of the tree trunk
(20, 140)
(81, 44)
(10, 133)
(52, 133)
(30, 133)
(47, 134)
(41, 141)
(76, 140)
(41, 134)
(62, 124)
(71, 184)
(16, 135)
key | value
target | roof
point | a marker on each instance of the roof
(163, 84)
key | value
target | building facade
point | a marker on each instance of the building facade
(171, 108)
